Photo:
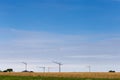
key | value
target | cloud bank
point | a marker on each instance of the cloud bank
(39, 48)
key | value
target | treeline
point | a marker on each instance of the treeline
(7, 70)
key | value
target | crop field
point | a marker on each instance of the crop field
(59, 76)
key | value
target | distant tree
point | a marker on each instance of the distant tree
(31, 71)
(8, 70)
(5, 71)
(25, 71)
(112, 71)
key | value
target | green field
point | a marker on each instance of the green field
(60, 76)
(44, 78)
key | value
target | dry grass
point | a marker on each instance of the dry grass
(73, 75)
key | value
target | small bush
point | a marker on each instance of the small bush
(112, 71)
(8, 70)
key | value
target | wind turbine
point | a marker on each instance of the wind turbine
(89, 68)
(48, 68)
(43, 68)
(59, 64)
(25, 65)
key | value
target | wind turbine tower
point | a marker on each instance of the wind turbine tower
(43, 68)
(25, 65)
(59, 64)
(89, 68)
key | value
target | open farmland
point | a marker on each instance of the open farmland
(59, 76)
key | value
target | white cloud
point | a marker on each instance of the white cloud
(44, 47)
(95, 56)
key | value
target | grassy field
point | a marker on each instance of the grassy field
(59, 76)
(47, 78)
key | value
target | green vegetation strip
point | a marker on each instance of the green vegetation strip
(43, 78)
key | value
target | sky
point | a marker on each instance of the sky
(77, 33)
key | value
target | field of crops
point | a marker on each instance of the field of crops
(59, 76)
(47, 78)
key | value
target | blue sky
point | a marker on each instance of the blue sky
(76, 32)
(60, 16)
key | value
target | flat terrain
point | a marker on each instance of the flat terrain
(47, 78)
(59, 76)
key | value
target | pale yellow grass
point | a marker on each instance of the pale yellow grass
(65, 74)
